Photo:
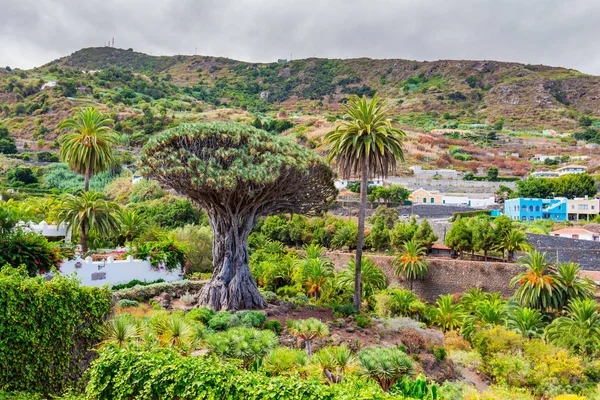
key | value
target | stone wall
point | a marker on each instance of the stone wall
(447, 186)
(446, 276)
(584, 252)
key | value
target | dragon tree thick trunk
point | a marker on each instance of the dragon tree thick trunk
(231, 287)
(364, 187)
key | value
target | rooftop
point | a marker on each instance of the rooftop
(572, 231)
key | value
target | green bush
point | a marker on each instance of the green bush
(166, 254)
(344, 309)
(250, 318)
(47, 329)
(31, 250)
(202, 314)
(270, 297)
(127, 303)
(223, 320)
(274, 325)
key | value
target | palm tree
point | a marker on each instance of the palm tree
(411, 263)
(386, 365)
(313, 250)
(307, 330)
(485, 314)
(447, 315)
(512, 241)
(132, 224)
(88, 148)
(372, 278)
(88, 211)
(529, 322)
(580, 329)
(573, 285)
(366, 144)
(539, 286)
(316, 272)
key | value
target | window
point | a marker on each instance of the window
(432, 200)
(524, 208)
(524, 218)
(531, 208)
(531, 218)
(572, 206)
(537, 208)
(575, 236)
(593, 207)
(582, 207)
(424, 199)
(556, 216)
(443, 201)
(418, 198)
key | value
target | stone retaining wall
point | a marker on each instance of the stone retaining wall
(584, 252)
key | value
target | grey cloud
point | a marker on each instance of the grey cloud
(553, 32)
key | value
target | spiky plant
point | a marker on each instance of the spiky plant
(307, 330)
(334, 361)
(246, 344)
(447, 315)
(411, 263)
(132, 224)
(313, 250)
(364, 143)
(579, 329)
(285, 361)
(485, 314)
(88, 148)
(529, 322)
(385, 365)
(539, 285)
(120, 331)
(315, 273)
(176, 332)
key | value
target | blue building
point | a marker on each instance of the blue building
(531, 209)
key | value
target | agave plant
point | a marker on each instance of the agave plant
(307, 330)
(447, 315)
(285, 361)
(386, 365)
(411, 263)
(334, 362)
(579, 329)
(529, 322)
(539, 286)
(245, 344)
(120, 331)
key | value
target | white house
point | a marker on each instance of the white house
(48, 230)
(571, 169)
(468, 201)
(544, 174)
(576, 233)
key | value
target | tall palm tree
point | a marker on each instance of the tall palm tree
(88, 148)
(411, 263)
(132, 224)
(88, 211)
(372, 278)
(365, 143)
(512, 241)
(539, 285)
(574, 286)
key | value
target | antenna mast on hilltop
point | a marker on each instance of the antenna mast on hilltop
(113, 42)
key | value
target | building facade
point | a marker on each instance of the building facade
(582, 208)
(571, 169)
(525, 209)
(422, 196)
(576, 233)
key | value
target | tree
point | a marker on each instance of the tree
(132, 224)
(539, 286)
(580, 329)
(575, 185)
(88, 211)
(459, 237)
(483, 235)
(529, 322)
(537, 188)
(388, 215)
(379, 236)
(572, 284)
(365, 144)
(198, 247)
(307, 330)
(372, 278)
(88, 148)
(7, 142)
(237, 173)
(315, 273)
(22, 174)
(512, 241)
(447, 315)
(425, 234)
(411, 263)
(492, 174)
(402, 233)
(386, 365)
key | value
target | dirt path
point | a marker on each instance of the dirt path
(472, 378)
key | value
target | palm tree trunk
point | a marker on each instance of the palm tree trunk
(88, 174)
(83, 238)
(364, 183)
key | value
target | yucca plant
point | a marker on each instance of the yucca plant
(579, 329)
(529, 322)
(411, 263)
(245, 344)
(175, 331)
(285, 361)
(386, 365)
(307, 330)
(334, 361)
(364, 143)
(447, 315)
(539, 285)
(120, 331)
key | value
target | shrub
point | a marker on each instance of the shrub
(385, 365)
(47, 329)
(30, 250)
(127, 303)
(250, 318)
(223, 320)
(187, 298)
(439, 353)
(274, 325)
(284, 361)
(344, 310)
(202, 314)
(175, 289)
(165, 253)
(145, 190)
(135, 282)
(246, 344)
(270, 297)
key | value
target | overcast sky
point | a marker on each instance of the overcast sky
(553, 32)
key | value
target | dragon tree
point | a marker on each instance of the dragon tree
(237, 173)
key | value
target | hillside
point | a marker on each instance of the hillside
(466, 115)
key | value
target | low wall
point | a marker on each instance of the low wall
(584, 252)
(446, 276)
(115, 272)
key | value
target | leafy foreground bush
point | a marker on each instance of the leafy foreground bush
(164, 374)
(47, 329)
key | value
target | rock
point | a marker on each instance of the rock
(350, 329)
(163, 299)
